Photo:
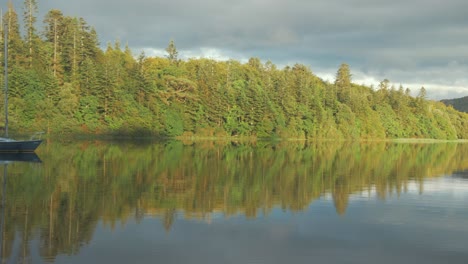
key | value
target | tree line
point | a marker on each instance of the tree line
(62, 82)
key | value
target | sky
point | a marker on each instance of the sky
(415, 43)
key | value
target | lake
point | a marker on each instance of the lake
(231, 202)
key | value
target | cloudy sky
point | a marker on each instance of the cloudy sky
(411, 42)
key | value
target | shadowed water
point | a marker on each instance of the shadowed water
(223, 202)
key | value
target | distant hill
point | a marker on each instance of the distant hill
(461, 104)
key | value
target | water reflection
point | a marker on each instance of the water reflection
(461, 174)
(61, 202)
(5, 160)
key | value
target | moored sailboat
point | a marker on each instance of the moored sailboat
(8, 144)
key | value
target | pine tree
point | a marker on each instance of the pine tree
(30, 11)
(54, 32)
(343, 83)
(15, 42)
(172, 52)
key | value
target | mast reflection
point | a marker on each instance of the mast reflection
(5, 160)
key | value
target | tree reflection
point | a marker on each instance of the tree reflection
(82, 184)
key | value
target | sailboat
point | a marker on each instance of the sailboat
(8, 144)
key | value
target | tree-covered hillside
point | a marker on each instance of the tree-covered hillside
(61, 81)
(461, 104)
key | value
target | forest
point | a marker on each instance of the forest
(62, 82)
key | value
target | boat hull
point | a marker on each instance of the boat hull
(19, 146)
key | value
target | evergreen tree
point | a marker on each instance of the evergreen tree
(54, 32)
(15, 42)
(422, 93)
(172, 52)
(343, 83)
(30, 11)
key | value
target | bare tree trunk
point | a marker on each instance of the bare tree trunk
(55, 47)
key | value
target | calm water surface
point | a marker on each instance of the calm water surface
(208, 202)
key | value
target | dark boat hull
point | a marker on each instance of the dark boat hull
(19, 146)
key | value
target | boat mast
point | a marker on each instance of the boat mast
(6, 76)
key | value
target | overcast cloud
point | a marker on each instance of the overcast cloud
(411, 42)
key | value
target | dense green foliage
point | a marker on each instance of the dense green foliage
(61, 82)
(461, 104)
(60, 202)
